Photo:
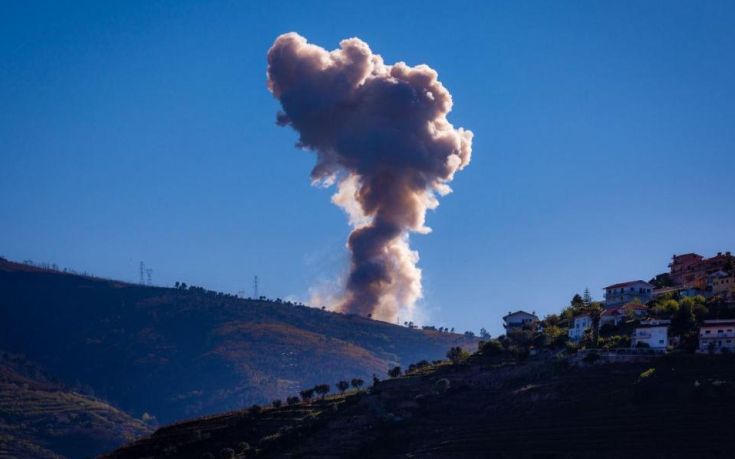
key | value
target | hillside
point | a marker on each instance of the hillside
(671, 406)
(43, 419)
(177, 353)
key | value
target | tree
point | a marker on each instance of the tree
(594, 309)
(357, 383)
(469, 334)
(394, 372)
(321, 389)
(586, 297)
(292, 400)
(683, 321)
(306, 394)
(457, 355)
(343, 386)
(276, 403)
(577, 301)
(492, 348)
(484, 334)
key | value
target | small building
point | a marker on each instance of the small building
(691, 269)
(716, 335)
(580, 325)
(612, 316)
(651, 333)
(616, 315)
(723, 285)
(520, 319)
(627, 292)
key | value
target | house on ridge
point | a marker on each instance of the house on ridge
(520, 319)
(628, 292)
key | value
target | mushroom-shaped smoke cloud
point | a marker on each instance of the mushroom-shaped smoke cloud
(381, 133)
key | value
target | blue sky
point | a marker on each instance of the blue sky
(604, 143)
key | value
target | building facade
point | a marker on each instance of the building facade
(651, 333)
(723, 285)
(716, 335)
(580, 325)
(692, 270)
(519, 320)
(628, 292)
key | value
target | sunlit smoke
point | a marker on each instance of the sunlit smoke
(381, 135)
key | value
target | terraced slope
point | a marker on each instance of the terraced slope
(40, 418)
(537, 409)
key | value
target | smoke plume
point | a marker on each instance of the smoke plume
(381, 134)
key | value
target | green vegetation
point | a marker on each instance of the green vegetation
(457, 355)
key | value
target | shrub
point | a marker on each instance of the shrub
(321, 389)
(306, 394)
(227, 453)
(276, 403)
(394, 372)
(492, 348)
(255, 409)
(357, 383)
(343, 386)
(457, 355)
(292, 400)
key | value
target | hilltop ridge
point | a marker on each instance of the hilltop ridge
(173, 353)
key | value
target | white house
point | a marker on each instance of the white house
(581, 324)
(627, 292)
(651, 332)
(716, 335)
(520, 319)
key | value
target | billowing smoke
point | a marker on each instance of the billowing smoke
(381, 134)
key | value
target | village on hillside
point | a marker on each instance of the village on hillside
(690, 307)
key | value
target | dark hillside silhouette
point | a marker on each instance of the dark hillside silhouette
(184, 352)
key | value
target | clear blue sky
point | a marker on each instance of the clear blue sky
(604, 143)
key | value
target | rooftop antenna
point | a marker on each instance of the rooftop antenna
(255, 287)
(141, 280)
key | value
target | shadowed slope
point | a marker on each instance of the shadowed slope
(538, 409)
(180, 353)
(40, 418)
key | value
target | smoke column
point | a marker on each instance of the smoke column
(381, 134)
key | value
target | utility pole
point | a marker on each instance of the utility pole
(149, 276)
(141, 280)
(255, 287)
